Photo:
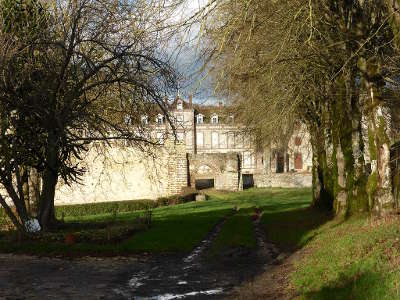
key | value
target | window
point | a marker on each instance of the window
(160, 119)
(160, 138)
(180, 136)
(238, 140)
(179, 105)
(200, 139)
(231, 119)
(214, 119)
(223, 140)
(189, 138)
(145, 120)
(297, 141)
(247, 159)
(179, 119)
(199, 119)
(214, 139)
(231, 140)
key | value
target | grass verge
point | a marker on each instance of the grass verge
(337, 258)
(353, 259)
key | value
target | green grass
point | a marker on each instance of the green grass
(293, 228)
(238, 231)
(177, 228)
(357, 258)
(353, 259)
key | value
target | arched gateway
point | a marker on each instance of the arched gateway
(219, 170)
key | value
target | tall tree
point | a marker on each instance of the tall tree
(323, 63)
(94, 65)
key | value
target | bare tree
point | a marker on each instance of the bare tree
(93, 69)
(314, 61)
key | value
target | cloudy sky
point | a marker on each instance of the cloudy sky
(185, 52)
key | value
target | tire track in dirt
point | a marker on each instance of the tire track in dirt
(178, 278)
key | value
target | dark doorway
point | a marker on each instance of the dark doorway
(298, 161)
(202, 184)
(248, 181)
(280, 162)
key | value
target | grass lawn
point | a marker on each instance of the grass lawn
(177, 228)
(353, 259)
(238, 231)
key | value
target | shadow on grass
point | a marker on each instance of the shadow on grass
(180, 228)
(175, 232)
(293, 228)
(368, 285)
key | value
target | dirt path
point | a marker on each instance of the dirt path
(168, 277)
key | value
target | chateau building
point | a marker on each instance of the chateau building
(209, 149)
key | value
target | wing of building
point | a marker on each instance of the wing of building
(208, 149)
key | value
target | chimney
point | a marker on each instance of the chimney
(190, 100)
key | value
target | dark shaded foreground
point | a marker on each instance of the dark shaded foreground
(163, 277)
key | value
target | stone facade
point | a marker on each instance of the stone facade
(207, 148)
(223, 168)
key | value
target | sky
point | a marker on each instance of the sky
(185, 50)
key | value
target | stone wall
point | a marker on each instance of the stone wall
(222, 167)
(125, 173)
(283, 180)
(177, 168)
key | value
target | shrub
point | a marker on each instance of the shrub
(187, 195)
(113, 208)
(103, 208)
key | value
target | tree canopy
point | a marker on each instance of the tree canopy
(73, 72)
(332, 65)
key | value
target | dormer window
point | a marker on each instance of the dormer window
(214, 119)
(160, 138)
(179, 105)
(200, 119)
(179, 119)
(160, 119)
(145, 120)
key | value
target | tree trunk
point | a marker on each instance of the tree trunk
(351, 195)
(46, 207)
(50, 178)
(322, 192)
(18, 202)
(11, 215)
(25, 189)
(380, 180)
(34, 190)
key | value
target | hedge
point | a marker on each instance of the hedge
(120, 206)
(78, 210)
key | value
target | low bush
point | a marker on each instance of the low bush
(98, 208)
(187, 195)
